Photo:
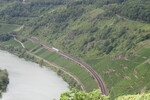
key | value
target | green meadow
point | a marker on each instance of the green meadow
(6, 28)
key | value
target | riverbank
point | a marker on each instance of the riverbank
(70, 66)
(4, 81)
(29, 81)
(76, 76)
(27, 55)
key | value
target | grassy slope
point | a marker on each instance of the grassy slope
(72, 42)
(6, 28)
(125, 76)
(4, 5)
(12, 43)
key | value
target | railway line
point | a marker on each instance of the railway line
(95, 75)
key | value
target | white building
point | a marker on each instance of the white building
(23, 1)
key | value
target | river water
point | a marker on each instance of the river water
(28, 81)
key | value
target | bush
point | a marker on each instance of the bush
(109, 49)
(5, 37)
(80, 95)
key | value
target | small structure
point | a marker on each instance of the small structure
(23, 1)
(55, 49)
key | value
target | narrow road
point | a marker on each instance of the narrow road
(98, 78)
(19, 42)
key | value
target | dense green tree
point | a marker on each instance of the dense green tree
(5, 37)
(80, 95)
(136, 9)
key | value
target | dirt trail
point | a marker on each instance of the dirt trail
(19, 42)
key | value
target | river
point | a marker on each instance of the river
(28, 81)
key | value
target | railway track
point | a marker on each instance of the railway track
(95, 75)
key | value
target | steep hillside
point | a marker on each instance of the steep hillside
(86, 28)
(113, 36)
